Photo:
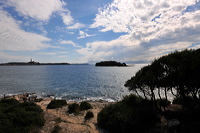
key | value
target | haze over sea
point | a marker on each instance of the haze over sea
(70, 82)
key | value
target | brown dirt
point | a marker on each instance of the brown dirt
(71, 123)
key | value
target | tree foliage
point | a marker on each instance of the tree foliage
(132, 114)
(73, 108)
(56, 104)
(89, 115)
(85, 106)
(177, 73)
(109, 63)
(16, 117)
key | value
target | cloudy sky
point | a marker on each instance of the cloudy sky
(87, 31)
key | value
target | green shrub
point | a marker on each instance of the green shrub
(188, 100)
(8, 104)
(58, 120)
(188, 103)
(89, 115)
(73, 108)
(56, 104)
(131, 100)
(56, 129)
(31, 107)
(18, 117)
(38, 100)
(85, 106)
(132, 114)
(163, 102)
(176, 101)
(10, 101)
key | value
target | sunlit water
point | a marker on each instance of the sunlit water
(71, 82)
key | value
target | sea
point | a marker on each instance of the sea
(70, 82)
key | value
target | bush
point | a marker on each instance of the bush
(56, 104)
(130, 114)
(19, 117)
(58, 120)
(9, 102)
(38, 100)
(176, 101)
(56, 129)
(131, 100)
(89, 115)
(73, 108)
(188, 103)
(85, 106)
(188, 100)
(163, 102)
(31, 107)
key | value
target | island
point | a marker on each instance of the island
(30, 63)
(110, 63)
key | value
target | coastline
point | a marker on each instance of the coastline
(68, 122)
(52, 96)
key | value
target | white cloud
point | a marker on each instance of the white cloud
(103, 50)
(83, 34)
(122, 49)
(63, 52)
(63, 56)
(67, 18)
(69, 42)
(48, 53)
(76, 26)
(152, 28)
(41, 9)
(4, 58)
(13, 38)
(131, 15)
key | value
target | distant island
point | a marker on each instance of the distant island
(110, 63)
(31, 62)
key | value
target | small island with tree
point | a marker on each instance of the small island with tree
(110, 63)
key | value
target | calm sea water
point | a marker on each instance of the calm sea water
(71, 82)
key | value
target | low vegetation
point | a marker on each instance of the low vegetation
(85, 106)
(89, 115)
(16, 117)
(163, 103)
(76, 108)
(56, 129)
(132, 114)
(38, 100)
(58, 120)
(56, 104)
(73, 108)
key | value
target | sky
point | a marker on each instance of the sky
(88, 31)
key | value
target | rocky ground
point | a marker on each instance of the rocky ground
(71, 123)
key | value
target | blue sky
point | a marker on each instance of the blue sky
(87, 31)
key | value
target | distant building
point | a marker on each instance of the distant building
(33, 62)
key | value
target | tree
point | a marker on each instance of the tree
(177, 73)
(110, 63)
